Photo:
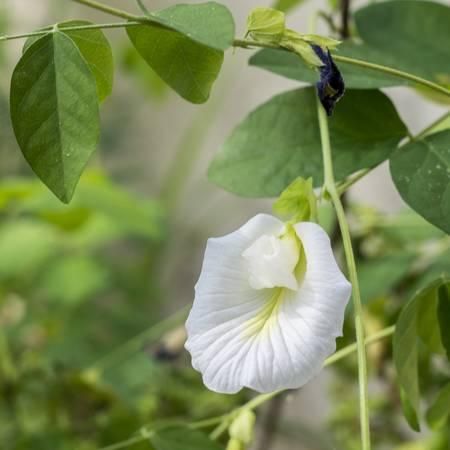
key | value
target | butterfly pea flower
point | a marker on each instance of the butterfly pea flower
(268, 307)
(330, 87)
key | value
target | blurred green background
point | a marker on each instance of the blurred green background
(88, 292)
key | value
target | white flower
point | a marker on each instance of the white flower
(268, 307)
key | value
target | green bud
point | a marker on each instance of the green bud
(266, 25)
(242, 427)
(298, 201)
(235, 444)
(322, 41)
(294, 41)
(301, 44)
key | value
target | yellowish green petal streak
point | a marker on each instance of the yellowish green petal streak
(266, 317)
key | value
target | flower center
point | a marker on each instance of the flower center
(272, 261)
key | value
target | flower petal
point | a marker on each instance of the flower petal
(265, 339)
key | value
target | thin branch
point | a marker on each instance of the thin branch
(270, 422)
(108, 9)
(345, 19)
(330, 186)
(100, 26)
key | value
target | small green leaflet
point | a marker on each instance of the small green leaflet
(411, 330)
(280, 141)
(182, 438)
(95, 49)
(421, 173)
(54, 111)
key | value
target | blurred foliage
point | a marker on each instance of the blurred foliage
(79, 282)
(398, 254)
(75, 282)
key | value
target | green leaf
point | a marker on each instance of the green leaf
(413, 327)
(444, 317)
(280, 141)
(298, 201)
(97, 52)
(210, 24)
(394, 34)
(287, 5)
(186, 66)
(406, 359)
(182, 438)
(266, 25)
(149, 81)
(439, 411)
(54, 112)
(428, 321)
(421, 173)
(399, 31)
(95, 49)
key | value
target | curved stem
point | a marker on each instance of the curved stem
(349, 349)
(391, 71)
(247, 43)
(107, 9)
(99, 26)
(143, 8)
(430, 128)
(330, 186)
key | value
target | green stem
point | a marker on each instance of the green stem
(108, 9)
(349, 349)
(247, 43)
(99, 26)
(430, 128)
(223, 426)
(143, 8)
(330, 186)
(135, 344)
(391, 71)
(344, 185)
(208, 422)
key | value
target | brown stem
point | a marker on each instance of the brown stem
(345, 19)
(270, 422)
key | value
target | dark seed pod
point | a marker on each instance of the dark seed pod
(330, 87)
